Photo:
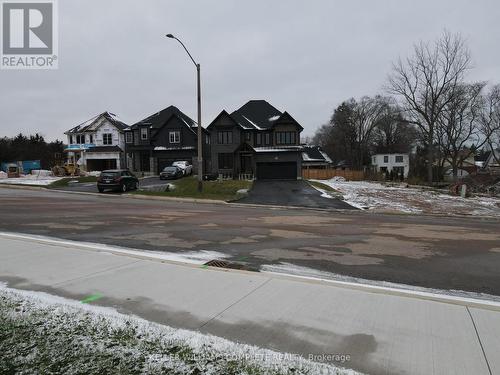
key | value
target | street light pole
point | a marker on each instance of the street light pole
(199, 132)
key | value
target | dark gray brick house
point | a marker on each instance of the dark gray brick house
(162, 138)
(256, 140)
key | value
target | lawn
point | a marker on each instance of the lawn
(65, 181)
(44, 334)
(187, 187)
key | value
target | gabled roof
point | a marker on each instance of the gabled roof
(257, 115)
(158, 119)
(95, 122)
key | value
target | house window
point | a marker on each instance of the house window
(224, 137)
(174, 137)
(285, 138)
(267, 139)
(374, 160)
(129, 137)
(207, 139)
(247, 136)
(399, 158)
(91, 138)
(70, 139)
(386, 158)
(144, 133)
(80, 138)
(107, 139)
(259, 139)
(225, 161)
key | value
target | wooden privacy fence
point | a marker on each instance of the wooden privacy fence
(326, 174)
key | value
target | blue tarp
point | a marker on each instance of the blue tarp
(26, 166)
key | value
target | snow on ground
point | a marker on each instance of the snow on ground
(311, 273)
(30, 179)
(42, 331)
(376, 196)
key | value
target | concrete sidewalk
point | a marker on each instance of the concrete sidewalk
(382, 333)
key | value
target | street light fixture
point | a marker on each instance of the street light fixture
(200, 134)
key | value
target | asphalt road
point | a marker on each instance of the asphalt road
(436, 252)
(91, 187)
(296, 193)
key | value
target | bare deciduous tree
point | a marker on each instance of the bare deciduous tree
(459, 130)
(424, 82)
(490, 120)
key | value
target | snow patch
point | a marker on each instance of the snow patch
(375, 196)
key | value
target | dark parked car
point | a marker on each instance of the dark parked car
(171, 172)
(117, 179)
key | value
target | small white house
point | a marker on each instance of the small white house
(97, 144)
(396, 163)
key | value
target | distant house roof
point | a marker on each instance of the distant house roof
(95, 122)
(104, 149)
(158, 119)
(259, 115)
(314, 154)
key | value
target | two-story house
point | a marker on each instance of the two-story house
(97, 144)
(162, 138)
(397, 163)
(256, 140)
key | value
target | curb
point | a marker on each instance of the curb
(369, 288)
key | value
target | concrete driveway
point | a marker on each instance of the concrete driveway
(290, 193)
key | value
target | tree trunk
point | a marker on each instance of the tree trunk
(430, 162)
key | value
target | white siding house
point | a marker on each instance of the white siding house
(97, 144)
(392, 162)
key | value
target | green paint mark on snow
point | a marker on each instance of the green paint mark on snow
(243, 258)
(204, 266)
(92, 298)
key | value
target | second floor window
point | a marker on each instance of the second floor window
(80, 138)
(129, 137)
(91, 138)
(258, 140)
(225, 137)
(285, 138)
(107, 139)
(386, 158)
(399, 158)
(174, 137)
(70, 139)
(144, 133)
(267, 139)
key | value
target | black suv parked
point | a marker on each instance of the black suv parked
(117, 179)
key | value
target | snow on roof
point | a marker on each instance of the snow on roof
(306, 157)
(253, 123)
(327, 158)
(163, 148)
(274, 118)
(279, 149)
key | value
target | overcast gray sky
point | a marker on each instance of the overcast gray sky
(304, 57)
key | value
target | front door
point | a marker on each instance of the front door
(246, 163)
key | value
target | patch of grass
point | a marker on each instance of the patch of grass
(322, 186)
(65, 181)
(187, 187)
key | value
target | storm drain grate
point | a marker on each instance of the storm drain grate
(224, 264)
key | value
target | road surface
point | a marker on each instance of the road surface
(433, 252)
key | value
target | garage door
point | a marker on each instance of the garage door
(277, 171)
